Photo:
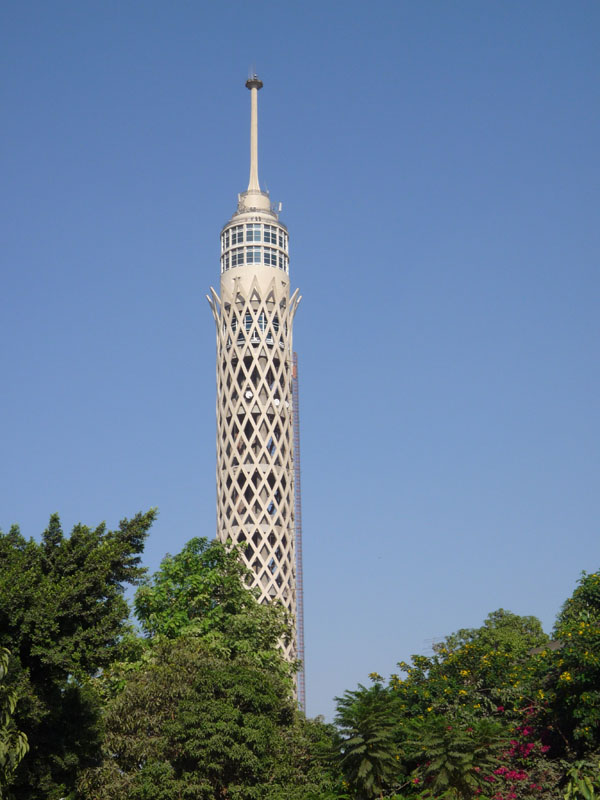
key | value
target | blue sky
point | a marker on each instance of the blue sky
(439, 173)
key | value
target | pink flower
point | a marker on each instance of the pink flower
(499, 708)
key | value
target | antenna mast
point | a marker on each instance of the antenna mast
(298, 529)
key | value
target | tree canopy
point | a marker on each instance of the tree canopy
(203, 591)
(493, 712)
(62, 615)
(198, 703)
(207, 710)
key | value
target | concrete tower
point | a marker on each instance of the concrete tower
(254, 316)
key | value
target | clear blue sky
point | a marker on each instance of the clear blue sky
(439, 172)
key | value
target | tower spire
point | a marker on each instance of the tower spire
(254, 84)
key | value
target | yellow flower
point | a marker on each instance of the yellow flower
(464, 672)
(430, 708)
(462, 691)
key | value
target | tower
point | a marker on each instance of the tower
(255, 438)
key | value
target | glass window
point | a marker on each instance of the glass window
(275, 323)
(225, 262)
(237, 257)
(261, 320)
(280, 261)
(225, 240)
(248, 320)
(270, 256)
(253, 255)
(237, 234)
(280, 238)
(253, 232)
(234, 323)
(270, 234)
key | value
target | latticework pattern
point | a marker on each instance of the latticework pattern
(255, 479)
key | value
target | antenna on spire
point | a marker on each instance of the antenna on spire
(254, 84)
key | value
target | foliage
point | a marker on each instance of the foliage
(474, 670)
(368, 753)
(583, 781)
(192, 724)
(13, 743)
(574, 685)
(63, 616)
(453, 758)
(470, 720)
(206, 709)
(203, 591)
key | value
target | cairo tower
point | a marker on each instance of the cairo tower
(255, 399)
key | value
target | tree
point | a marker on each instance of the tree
(203, 591)
(63, 615)
(367, 749)
(190, 723)
(480, 669)
(454, 758)
(475, 695)
(206, 710)
(573, 686)
(13, 743)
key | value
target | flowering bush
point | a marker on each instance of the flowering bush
(536, 700)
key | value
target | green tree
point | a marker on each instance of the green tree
(367, 749)
(478, 668)
(477, 680)
(190, 723)
(206, 710)
(574, 684)
(63, 615)
(203, 591)
(13, 743)
(454, 758)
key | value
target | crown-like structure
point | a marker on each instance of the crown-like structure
(254, 315)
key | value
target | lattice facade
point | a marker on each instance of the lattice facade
(255, 469)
